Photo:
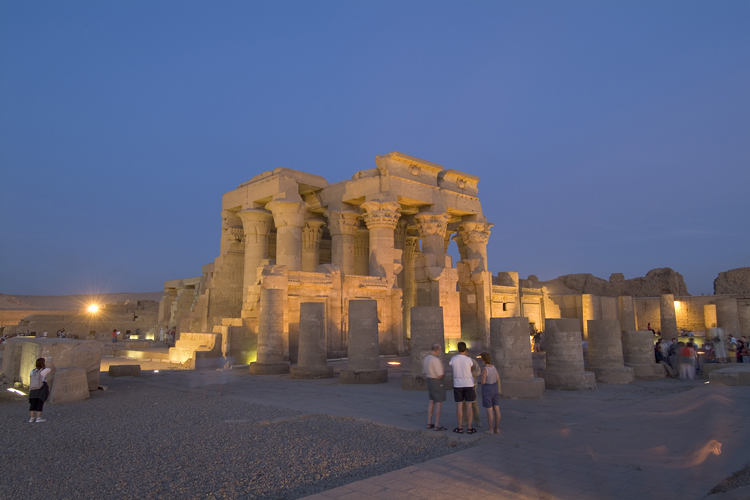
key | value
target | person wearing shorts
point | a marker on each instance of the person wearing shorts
(432, 368)
(463, 388)
(490, 394)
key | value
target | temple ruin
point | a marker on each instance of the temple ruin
(289, 237)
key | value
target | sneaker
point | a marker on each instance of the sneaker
(32, 419)
(38, 420)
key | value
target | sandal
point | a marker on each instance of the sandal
(441, 428)
(471, 430)
(458, 430)
(430, 426)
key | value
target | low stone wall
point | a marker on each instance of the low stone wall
(65, 353)
(196, 350)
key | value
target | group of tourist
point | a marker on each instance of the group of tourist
(685, 359)
(7, 336)
(167, 336)
(61, 333)
(465, 369)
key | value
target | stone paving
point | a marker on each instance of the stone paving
(659, 439)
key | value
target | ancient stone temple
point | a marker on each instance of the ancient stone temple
(383, 236)
(289, 238)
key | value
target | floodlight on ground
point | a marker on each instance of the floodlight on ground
(156, 371)
(16, 391)
(394, 362)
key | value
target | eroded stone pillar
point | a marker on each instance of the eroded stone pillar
(381, 218)
(627, 313)
(271, 325)
(638, 353)
(427, 329)
(709, 316)
(565, 369)
(311, 235)
(727, 317)
(511, 354)
(256, 224)
(311, 357)
(343, 227)
(364, 353)
(668, 321)
(605, 352)
(289, 218)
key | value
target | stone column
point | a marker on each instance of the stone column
(426, 330)
(709, 316)
(435, 277)
(668, 321)
(638, 353)
(256, 224)
(511, 354)
(727, 317)
(270, 333)
(605, 352)
(362, 252)
(312, 343)
(627, 313)
(311, 234)
(289, 217)
(381, 218)
(588, 312)
(411, 249)
(364, 354)
(565, 357)
(399, 244)
(474, 237)
(342, 226)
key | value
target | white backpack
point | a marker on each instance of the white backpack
(35, 381)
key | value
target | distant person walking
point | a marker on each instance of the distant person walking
(432, 368)
(114, 336)
(490, 394)
(463, 388)
(38, 390)
(161, 335)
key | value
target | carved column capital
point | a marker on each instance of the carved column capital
(432, 224)
(381, 214)
(288, 212)
(342, 222)
(256, 222)
(312, 233)
(475, 232)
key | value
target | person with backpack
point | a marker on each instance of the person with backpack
(38, 390)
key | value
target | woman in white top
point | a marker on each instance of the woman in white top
(38, 390)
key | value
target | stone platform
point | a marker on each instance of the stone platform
(522, 389)
(364, 376)
(305, 372)
(614, 375)
(738, 374)
(580, 381)
(279, 368)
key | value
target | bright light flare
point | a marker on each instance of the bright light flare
(394, 362)
(156, 371)
(93, 308)
(16, 391)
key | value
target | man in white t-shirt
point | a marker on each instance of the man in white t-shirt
(432, 368)
(463, 388)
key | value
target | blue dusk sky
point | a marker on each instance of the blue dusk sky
(609, 136)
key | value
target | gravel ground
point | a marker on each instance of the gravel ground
(136, 440)
(739, 478)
